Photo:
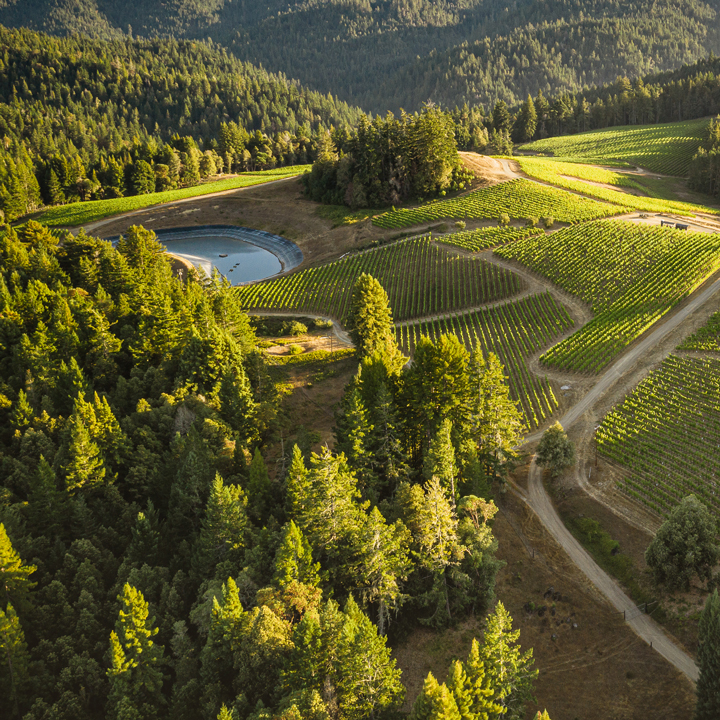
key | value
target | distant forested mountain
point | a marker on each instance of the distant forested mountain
(387, 54)
(83, 118)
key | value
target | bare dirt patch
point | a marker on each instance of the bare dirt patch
(279, 208)
(490, 171)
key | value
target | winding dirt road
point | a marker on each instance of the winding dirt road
(538, 499)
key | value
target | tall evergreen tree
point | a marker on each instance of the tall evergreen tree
(383, 563)
(14, 661)
(510, 671)
(85, 468)
(440, 460)
(135, 661)
(14, 574)
(435, 702)
(294, 560)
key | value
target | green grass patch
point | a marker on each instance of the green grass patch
(666, 149)
(340, 215)
(315, 357)
(605, 551)
(82, 213)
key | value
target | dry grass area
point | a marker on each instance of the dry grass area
(599, 670)
(279, 208)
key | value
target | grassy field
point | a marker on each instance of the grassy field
(517, 198)
(512, 331)
(665, 149)
(572, 176)
(667, 434)
(630, 274)
(82, 213)
(420, 277)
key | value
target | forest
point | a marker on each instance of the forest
(84, 119)
(154, 563)
(391, 54)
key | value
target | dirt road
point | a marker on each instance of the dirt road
(539, 501)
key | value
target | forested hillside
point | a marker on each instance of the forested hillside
(154, 566)
(387, 54)
(85, 119)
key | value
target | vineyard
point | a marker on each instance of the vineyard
(630, 274)
(571, 176)
(516, 198)
(420, 278)
(667, 434)
(484, 238)
(665, 149)
(513, 332)
(707, 338)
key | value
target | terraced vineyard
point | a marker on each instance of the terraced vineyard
(484, 238)
(420, 278)
(516, 198)
(707, 338)
(572, 176)
(667, 435)
(665, 149)
(630, 274)
(513, 331)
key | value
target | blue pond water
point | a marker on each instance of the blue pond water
(243, 261)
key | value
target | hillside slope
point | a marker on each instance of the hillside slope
(384, 54)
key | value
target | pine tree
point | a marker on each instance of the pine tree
(526, 122)
(368, 681)
(479, 685)
(259, 490)
(459, 685)
(497, 420)
(297, 484)
(222, 534)
(85, 468)
(55, 195)
(14, 575)
(440, 460)
(135, 675)
(509, 670)
(294, 560)
(501, 117)
(13, 659)
(370, 323)
(708, 685)
(435, 702)
(383, 563)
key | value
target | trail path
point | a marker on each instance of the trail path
(643, 624)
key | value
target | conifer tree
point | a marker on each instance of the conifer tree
(294, 560)
(459, 685)
(297, 484)
(370, 319)
(223, 527)
(509, 670)
(479, 685)
(526, 122)
(135, 671)
(85, 468)
(14, 575)
(259, 490)
(383, 563)
(13, 660)
(440, 460)
(708, 684)
(497, 420)
(368, 681)
(435, 702)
